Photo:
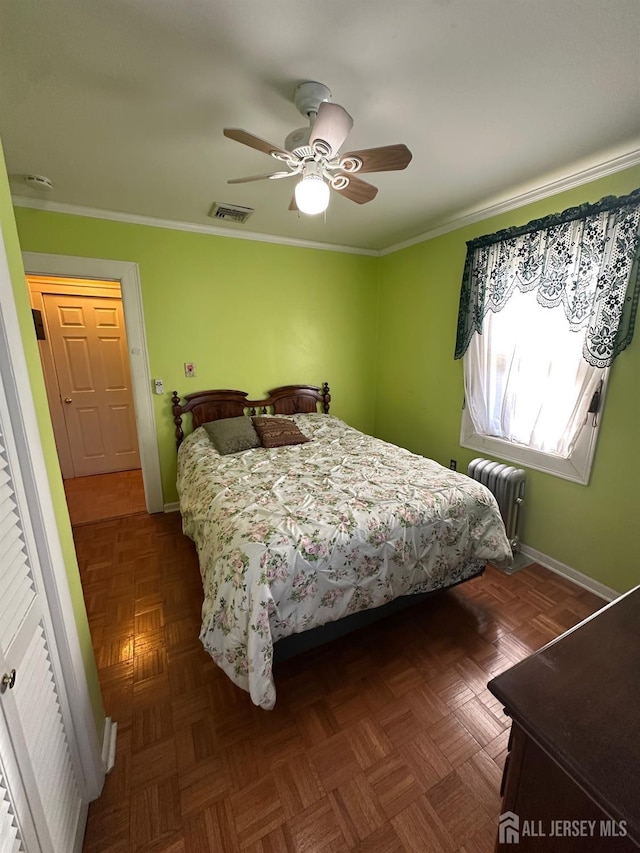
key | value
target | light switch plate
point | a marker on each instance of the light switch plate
(189, 369)
(159, 386)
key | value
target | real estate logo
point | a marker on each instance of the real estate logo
(511, 829)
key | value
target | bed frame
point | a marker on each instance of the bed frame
(206, 406)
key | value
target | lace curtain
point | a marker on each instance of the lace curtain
(583, 260)
(525, 379)
(530, 374)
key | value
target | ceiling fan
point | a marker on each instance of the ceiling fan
(314, 153)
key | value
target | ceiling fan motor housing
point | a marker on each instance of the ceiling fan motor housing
(298, 139)
(308, 97)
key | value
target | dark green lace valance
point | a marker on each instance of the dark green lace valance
(584, 260)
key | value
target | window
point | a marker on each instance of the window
(544, 310)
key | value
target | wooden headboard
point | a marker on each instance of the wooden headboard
(208, 406)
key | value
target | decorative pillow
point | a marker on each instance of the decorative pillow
(278, 432)
(232, 435)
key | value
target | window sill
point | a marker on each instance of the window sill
(577, 469)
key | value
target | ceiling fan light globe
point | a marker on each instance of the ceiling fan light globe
(312, 195)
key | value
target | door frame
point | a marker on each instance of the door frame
(128, 274)
(75, 699)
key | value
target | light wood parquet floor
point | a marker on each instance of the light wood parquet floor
(104, 496)
(387, 740)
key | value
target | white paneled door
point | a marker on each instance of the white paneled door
(41, 806)
(89, 348)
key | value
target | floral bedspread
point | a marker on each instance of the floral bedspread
(294, 537)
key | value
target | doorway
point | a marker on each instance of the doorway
(127, 274)
(85, 359)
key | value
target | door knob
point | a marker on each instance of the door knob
(8, 680)
(68, 400)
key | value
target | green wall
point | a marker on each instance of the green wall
(590, 528)
(250, 315)
(12, 246)
(253, 315)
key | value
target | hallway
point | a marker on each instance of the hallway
(105, 496)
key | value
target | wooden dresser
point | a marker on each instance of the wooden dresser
(574, 750)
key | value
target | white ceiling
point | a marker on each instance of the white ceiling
(122, 102)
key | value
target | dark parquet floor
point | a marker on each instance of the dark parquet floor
(387, 740)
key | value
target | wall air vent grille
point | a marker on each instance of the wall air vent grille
(230, 212)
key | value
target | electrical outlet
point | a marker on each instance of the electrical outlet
(159, 386)
(453, 465)
(189, 369)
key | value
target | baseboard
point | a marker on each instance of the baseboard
(573, 575)
(173, 507)
(109, 744)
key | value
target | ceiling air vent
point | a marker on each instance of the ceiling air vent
(230, 212)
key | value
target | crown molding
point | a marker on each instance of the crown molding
(177, 225)
(473, 215)
(460, 220)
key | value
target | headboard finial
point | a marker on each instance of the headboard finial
(177, 417)
(326, 397)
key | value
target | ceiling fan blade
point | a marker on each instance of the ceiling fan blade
(252, 141)
(292, 204)
(388, 158)
(359, 191)
(330, 129)
(273, 176)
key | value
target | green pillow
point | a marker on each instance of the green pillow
(232, 435)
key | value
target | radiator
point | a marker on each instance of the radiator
(507, 486)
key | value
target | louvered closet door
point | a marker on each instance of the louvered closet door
(16, 834)
(38, 788)
(10, 836)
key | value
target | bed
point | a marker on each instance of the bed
(299, 538)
